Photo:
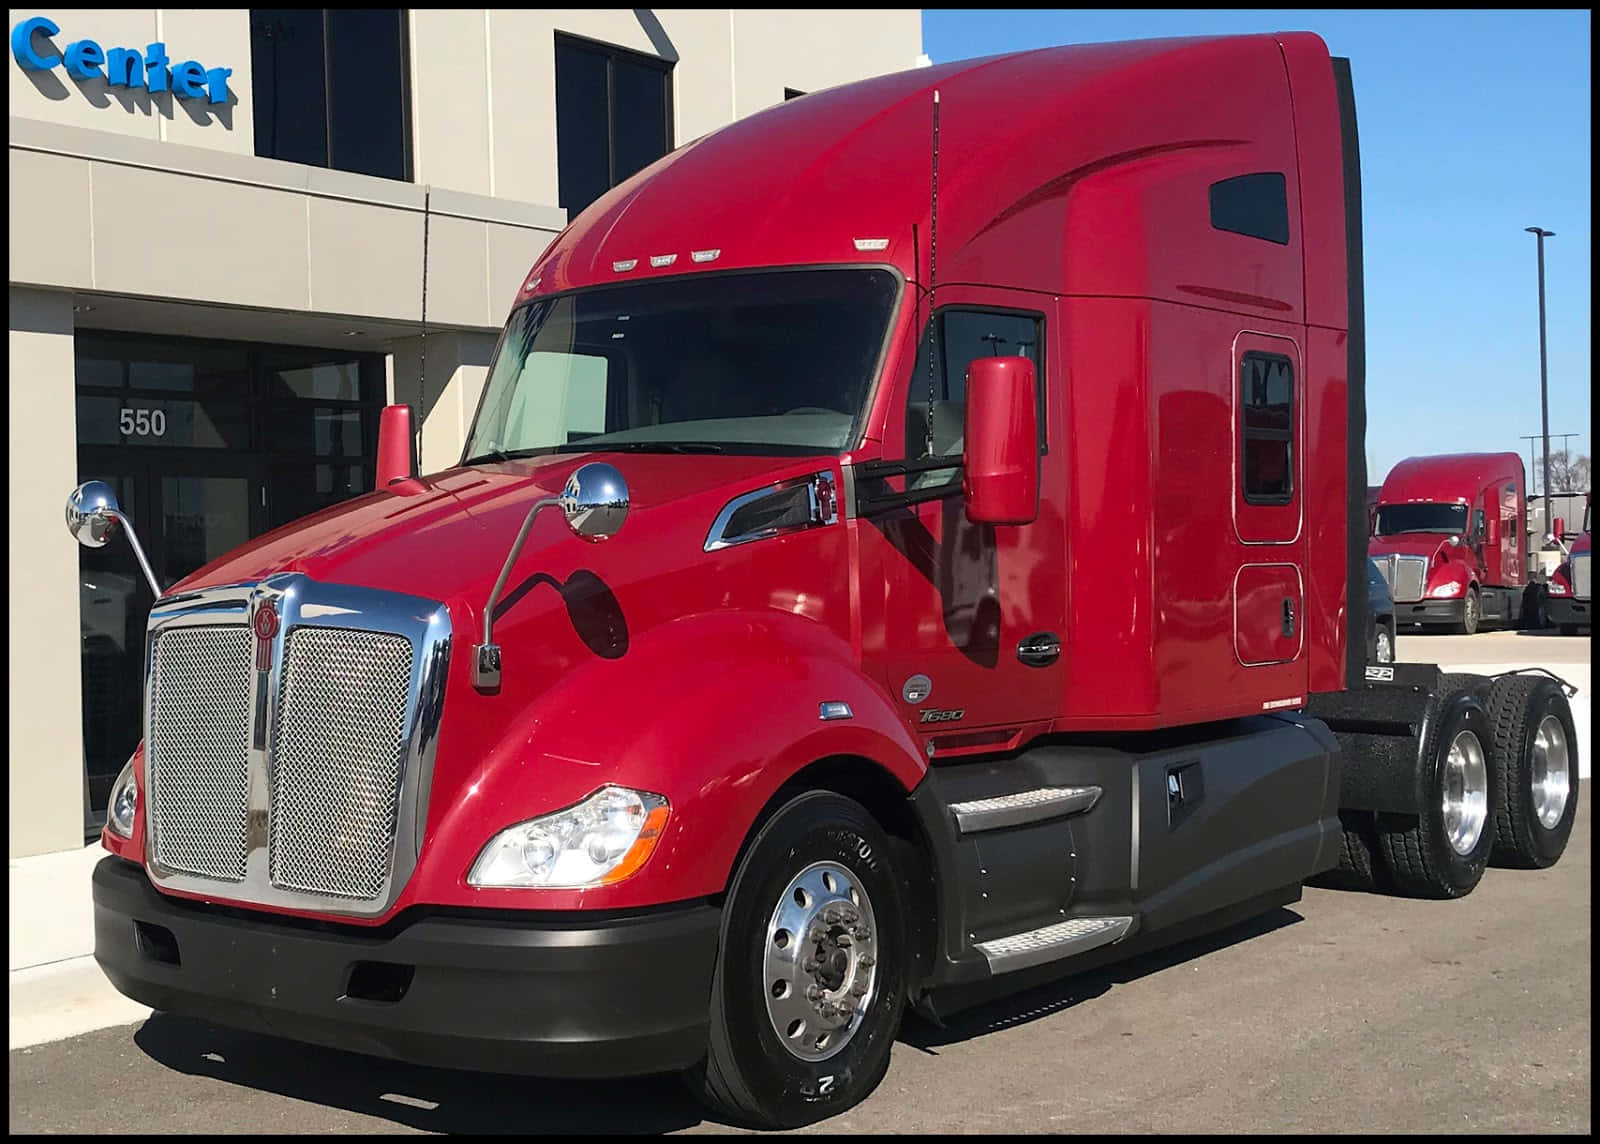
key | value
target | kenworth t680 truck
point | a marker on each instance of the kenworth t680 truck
(954, 576)
(1449, 535)
(1569, 601)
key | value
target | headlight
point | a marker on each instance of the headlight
(124, 801)
(1446, 590)
(1556, 588)
(603, 839)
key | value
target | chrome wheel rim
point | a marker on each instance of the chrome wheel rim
(1385, 650)
(1465, 801)
(1552, 783)
(1472, 610)
(820, 965)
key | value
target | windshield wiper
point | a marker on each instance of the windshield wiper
(640, 447)
(504, 455)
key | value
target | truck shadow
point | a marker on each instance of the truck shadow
(447, 1100)
(428, 1099)
(1053, 996)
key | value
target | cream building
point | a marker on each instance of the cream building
(218, 226)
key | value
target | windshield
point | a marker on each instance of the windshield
(1393, 518)
(772, 361)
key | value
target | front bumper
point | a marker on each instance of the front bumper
(495, 992)
(1566, 610)
(1431, 612)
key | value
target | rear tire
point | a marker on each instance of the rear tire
(1443, 852)
(753, 1074)
(1535, 769)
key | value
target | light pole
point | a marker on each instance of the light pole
(1544, 374)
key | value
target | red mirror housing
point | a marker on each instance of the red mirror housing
(1559, 529)
(397, 446)
(1491, 528)
(1001, 442)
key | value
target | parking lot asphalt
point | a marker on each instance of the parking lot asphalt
(1345, 1012)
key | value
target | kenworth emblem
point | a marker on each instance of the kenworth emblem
(916, 689)
(266, 626)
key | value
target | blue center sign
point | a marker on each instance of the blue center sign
(125, 67)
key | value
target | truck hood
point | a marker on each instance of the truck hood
(451, 534)
(1413, 544)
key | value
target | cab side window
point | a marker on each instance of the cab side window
(1266, 406)
(961, 336)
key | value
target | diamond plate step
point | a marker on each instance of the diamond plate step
(1052, 942)
(1024, 806)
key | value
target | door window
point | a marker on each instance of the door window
(936, 427)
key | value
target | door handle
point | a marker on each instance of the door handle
(1040, 649)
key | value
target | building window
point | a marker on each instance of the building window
(963, 336)
(332, 88)
(1266, 437)
(613, 117)
(1253, 205)
(790, 93)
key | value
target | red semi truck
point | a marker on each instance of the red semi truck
(960, 584)
(1568, 600)
(1448, 535)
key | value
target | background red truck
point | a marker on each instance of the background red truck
(961, 582)
(1449, 535)
(1569, 601)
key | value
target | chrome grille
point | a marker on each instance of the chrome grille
(338, 759)
(1580, 576)
(1408, 575)
(199, 725)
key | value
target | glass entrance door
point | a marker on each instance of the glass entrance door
(187, 511)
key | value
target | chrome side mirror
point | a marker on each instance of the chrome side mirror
(94, 517)
(595, 503)
(93, 514)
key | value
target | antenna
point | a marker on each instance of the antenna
(933, 251)
(422, 349)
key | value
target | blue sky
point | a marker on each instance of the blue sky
(1474, 125)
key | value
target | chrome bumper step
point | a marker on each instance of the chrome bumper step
(1052, 942)
(1026, 806)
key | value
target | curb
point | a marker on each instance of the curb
(66, 999)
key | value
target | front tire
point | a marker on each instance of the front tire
(1471, 614)
(1443, 852)
(1535, 771)
(810, 981)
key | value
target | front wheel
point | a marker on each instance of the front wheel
(1471, 613)
(810, 980)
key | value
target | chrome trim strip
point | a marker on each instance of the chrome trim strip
(1037, 805)
(1052, 942)
(821, 515)
(426, 623)
(1133, 857)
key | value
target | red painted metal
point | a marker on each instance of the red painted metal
(1000, 477)
(1073, 184)
(395, 445)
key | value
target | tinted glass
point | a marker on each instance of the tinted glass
(287, 85)
(1267, 438)
(964, 336)
(763, 362)
(638, 116)
(1395, 518)
(1254, 205)
(582, 131)
(367, 96)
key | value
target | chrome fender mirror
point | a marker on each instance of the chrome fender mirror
(94, 517)
(595, 503)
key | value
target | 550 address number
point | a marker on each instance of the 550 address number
(143, 422)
